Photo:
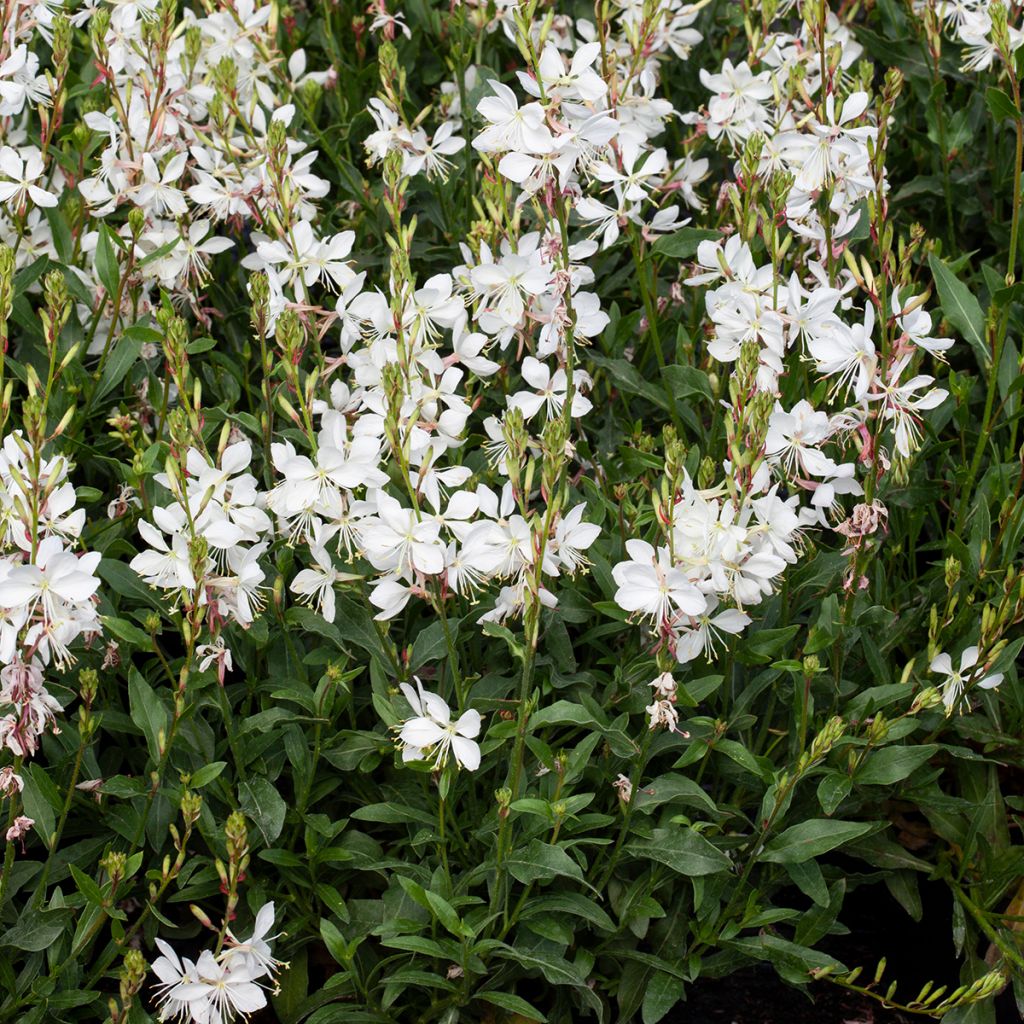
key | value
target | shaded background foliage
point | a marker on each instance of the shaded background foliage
(728, 854)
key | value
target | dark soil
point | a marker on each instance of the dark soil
(915, 952)
(757, 996)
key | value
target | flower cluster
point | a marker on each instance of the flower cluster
(217, 987)
(811, 157)
(47, 590)
(982, 26)
(206, 544)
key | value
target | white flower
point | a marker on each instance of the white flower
(168, 566)
(159, 192)
(551, 391)
(958, 681)
(702, 637)
(507, 285)
(24, 171)
(220, 990)
(432, 733)
(573, 537)
(793, 438)
(397, 539)
(390, 595)
(902, 406)
(650, 585)
(640, 171)
(512, 128)
(173, 974)
(215, 653)
(256, 949)
(317, 585)
(57, 579)
(578, 81)
(432, 157)
(847, 351)
(915, 323)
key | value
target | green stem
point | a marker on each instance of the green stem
(627, 813)
(225, 708)
(55, 838)
(9, 848)
(651, 312)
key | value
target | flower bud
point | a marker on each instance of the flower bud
(925, 699)
(504, 799)
(952, 571)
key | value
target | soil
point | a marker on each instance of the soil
(915, 951)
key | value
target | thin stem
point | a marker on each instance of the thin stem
(627, 812)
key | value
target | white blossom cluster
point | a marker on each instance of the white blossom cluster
(187, 140)
(971, 22)
(217, 987)
(727, 545)
(47, 590)
(820, 140)
(221, 506)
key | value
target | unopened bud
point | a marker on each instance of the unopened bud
(925, 699)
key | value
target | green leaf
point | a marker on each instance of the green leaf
(893, 764)
(447, 915)
(352, 623)
(515, 1004)
(629, 379)
(1001, 105)
(661, 994)
(568, 902)
(759, 767)
(565, 712)
(293, 987)
(62, 240)
(207, 774)
(430, 643)
(123, 356)
(281, 858)
(341, 950)
(762, 646)
(264, 806)
(673, 788)
(87, 886)
(128, 631)
(126, 582)
(542, 861)
(393, 814)
(833, 789)
(107, 269)
(555, 969)
(688, 382)
(682, 244)
(960, 308)
(793, 961)
(683, 850)
(201, 345)
(812, 838)
(36, 929)
(807, 877)
(42, 800)
(147, 712)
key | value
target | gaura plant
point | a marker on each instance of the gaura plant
(507, 509)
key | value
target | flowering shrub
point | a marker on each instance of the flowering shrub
(508, 509)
